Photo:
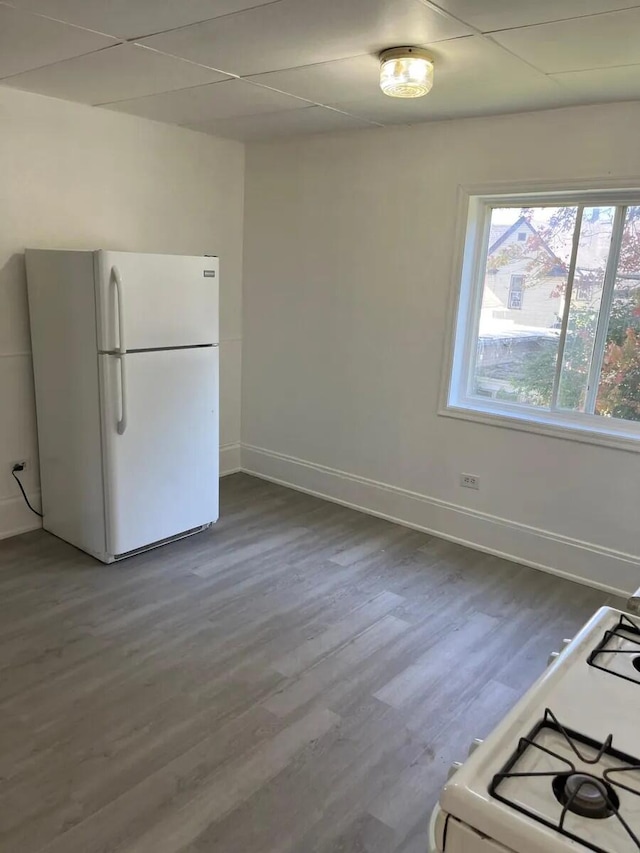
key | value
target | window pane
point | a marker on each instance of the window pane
(619, 388)
(591, 265)
(523, 288)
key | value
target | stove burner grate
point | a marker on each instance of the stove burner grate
(577, 792)
(630, 628)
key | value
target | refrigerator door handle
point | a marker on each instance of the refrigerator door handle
(122, 349)
(117, 279)
(122, 423)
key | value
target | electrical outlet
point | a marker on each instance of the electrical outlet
(469, 481)
(20, 465)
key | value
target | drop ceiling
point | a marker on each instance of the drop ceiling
(259, 69)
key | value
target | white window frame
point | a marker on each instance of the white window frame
(471, 240)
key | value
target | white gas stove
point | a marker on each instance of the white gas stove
(561, 772)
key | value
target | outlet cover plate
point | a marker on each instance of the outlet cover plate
(469, 481)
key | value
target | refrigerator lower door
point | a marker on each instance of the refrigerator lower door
(160, 444)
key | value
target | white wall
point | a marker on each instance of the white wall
(75, 177)
(349, 242)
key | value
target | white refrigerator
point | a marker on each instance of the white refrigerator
(126, 364)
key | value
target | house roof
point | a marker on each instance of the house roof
(495, 232)
(521, 222)
(509, 230)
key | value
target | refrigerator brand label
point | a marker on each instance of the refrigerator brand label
(209, 273)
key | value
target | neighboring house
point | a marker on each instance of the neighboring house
(520, 310)
(521, 298)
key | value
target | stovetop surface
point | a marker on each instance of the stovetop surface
(596, 698)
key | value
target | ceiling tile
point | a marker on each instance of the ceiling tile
(328, 82)
(300, 32)
(28, 41)
(386, 110)
(274, 125)
(123, 71)
(135, 18)
(603, 84)
(205, 103)
(472, 76)
(488, 15)
(595, 42)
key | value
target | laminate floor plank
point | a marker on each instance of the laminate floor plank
(337, 666)
(297, 679)
(320, 795)
(229, 789)
(401, 806)
(340, 632)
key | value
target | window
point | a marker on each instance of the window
(522, 236)
(570, 358)
(516, 287)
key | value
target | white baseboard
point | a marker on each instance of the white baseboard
(16, 517)
(574, 559)
(229, 459)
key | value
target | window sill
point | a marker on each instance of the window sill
(546, 423)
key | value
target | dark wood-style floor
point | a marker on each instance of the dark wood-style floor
(298, 678)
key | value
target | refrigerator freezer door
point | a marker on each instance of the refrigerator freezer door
(161, 472)
(155, 301)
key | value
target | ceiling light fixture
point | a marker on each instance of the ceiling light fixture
(406, 72)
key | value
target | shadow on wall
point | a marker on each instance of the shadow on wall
(14, 309)
(17, 421)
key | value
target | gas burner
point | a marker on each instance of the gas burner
(585, 795)
(618, 652)
(584, 789)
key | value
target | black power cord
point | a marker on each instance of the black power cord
(17, 467)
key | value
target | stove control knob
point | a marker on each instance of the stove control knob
(475, 743)
(455, 766)
(554, 655)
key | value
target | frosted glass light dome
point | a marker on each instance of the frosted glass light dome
(406, 72)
